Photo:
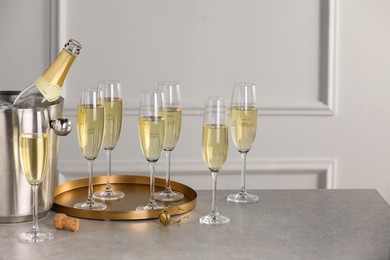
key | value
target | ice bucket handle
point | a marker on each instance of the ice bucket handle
(61, 126)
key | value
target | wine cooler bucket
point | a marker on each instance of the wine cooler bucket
(15, 191)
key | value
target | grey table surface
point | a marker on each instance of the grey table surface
(283, 224)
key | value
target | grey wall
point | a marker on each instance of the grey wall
(323, 95)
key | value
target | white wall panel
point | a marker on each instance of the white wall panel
(261, 174)
(207, 46)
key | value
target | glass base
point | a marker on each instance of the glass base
(168, 195)
(150, 206)
(214, 218)
(35, 237)
(112, 195)
(90, 206)
(242, 197)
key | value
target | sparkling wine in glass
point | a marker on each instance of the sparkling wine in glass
(215, 147)
(173, 113)
(112, 129)
(34, 153)
(243, 127)
(90, 127)
(151, 124)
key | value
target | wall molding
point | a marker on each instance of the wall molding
(188, 169)
(266, 108)
(323, 106)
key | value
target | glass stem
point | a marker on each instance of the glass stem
(34, 189)
(168, 172)
(108, 177)
(243, 171)
(152, 200)
(90, 182)
(214, 202)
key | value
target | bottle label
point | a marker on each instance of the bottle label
(50, 92)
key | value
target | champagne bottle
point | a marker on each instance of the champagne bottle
(46, 89)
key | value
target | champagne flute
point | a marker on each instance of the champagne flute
(215, 145)
(34, 157)
(151, 125)
(90, 126)
(112, 129)
(244, 125)
(173, 113)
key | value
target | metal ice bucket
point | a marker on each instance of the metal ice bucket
(15, 191)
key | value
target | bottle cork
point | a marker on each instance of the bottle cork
(63, 222)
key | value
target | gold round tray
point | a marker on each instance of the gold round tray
(137, 193)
